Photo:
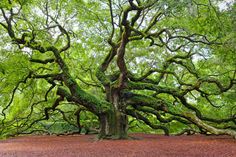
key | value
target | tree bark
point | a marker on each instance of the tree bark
(216, 131)
(114, 123)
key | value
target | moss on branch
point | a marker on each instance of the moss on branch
(200, 123)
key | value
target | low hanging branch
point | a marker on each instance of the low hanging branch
(146, 121)
(24, 80)
(211, 129)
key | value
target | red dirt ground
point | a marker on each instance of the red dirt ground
(147, 146)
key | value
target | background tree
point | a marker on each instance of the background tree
(165, 63)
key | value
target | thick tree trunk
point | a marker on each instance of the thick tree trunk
(113, 125)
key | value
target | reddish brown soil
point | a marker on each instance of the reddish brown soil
(147, 146)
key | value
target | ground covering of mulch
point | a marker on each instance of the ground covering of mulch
(146, 145)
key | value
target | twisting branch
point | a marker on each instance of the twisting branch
(63, 31)
(214, 130)
(146, 121)
(42, 61)
(53, 107)
(112, 23)
(201, 117)
(120, 57)
(24, 80)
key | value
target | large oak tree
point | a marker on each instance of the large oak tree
(160, 62)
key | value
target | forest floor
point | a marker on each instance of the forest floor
(147, 145)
